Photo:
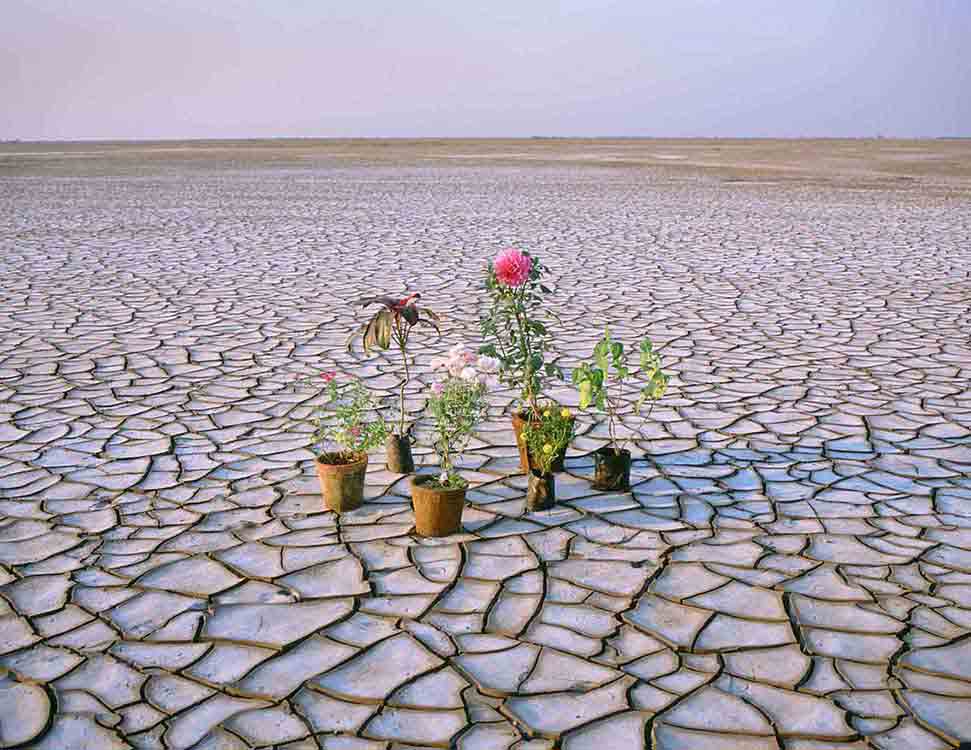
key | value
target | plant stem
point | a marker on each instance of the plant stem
(401, 338)
(529, 395)
(611, 428)
(401, 392)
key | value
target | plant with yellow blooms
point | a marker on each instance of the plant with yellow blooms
(547, 437)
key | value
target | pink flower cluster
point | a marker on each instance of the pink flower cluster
(328, 376)
(512, 267)
(461, 363)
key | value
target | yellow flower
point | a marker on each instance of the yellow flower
(547, 448)
(565, 414)
(546, 413)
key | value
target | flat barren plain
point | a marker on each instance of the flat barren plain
(791, 569)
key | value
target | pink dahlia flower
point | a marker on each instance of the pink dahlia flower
(512, 267)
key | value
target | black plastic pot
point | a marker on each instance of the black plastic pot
(541, 491)
(611, 470)
(398, 448)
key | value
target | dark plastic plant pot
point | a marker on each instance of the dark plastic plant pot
(519, 421)
(541, 491)
(342, 485)
(398, 448)
(438, 512)
(611, 470)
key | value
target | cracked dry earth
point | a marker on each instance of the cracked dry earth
(791, 569)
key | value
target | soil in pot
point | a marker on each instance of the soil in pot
(519, 420)
(398, 448)
(541, 491)
(342, 484)
(438, 512)
(611, 469)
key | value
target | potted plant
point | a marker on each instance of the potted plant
(457, 403)
(392, 325)
(344, 432)
(546, 439)
(602, 383)
(516, 333)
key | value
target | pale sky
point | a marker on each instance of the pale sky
(76, 69)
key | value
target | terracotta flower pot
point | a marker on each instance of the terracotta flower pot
(398, 448)
(611, 470)
(342, 485)
(519, 420)
(541, 491)
(438, 512)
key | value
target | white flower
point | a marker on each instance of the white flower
(438, 362)
(455, 369)
(488, 364)
(443, 477)
(468, 373)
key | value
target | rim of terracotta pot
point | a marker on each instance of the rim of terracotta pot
(420, 480)
(362, 458)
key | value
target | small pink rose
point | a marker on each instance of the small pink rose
(328, 376)
(512, 267)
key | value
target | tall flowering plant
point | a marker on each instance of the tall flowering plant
(514, 326)
(457, 402)
(349, 424)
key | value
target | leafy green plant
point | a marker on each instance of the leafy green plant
(349, 424)
(392, 324)
(602, 381)
(548, 436)
(515, 327)
(457, 403)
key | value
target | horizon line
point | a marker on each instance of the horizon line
(205, 139)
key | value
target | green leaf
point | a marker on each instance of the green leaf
(600, 354)
(377, 334)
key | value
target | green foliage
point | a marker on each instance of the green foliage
(349, 422)
(448, 481)
(455, 410)
(548, 436)
(517, 333)
(601, 380)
